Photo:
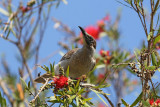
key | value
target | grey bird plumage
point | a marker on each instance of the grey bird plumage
(79, 60)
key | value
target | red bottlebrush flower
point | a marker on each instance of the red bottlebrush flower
(102, 53)
(135, 82)
(24, 9)
(106, 18)
(151, 101)
(101, 105)
(107, 53)
(60, 82)
(101, 25)
(157, 102)
(101, 76)
(93, 31)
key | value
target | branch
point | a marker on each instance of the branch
(99, 90)
(47, 80)
(26, 65)
(110, 102)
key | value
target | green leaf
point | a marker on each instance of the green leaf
(87, 99)
(2, 101)
(158, 69)
(158, 63)
(8, 33)
(4, 12)
(137, 52)
(77, 101)
(70, 99)
(137, 100)
(151, 68)
(100, 97)
(67, 72)
(73, 105)
(29, 84)
(86, 105)
(100, 66)
(51, 67)
(77, 85)
(65, 2)
(154, 62)
(156, 40)
(81, 91)
(69, 92)
(127, 105)
(23, 83)
(150, 35)
(102, 86)
(46, 69)
(146, 103)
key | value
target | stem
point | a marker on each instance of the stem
(40, 90)
(26, 65)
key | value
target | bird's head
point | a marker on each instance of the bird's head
(88, 40)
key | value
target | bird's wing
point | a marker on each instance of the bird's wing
(69, 54)
(41, 79)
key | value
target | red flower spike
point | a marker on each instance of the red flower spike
(107, 18)
(157, 101)
(60, 82)
(151, 101)
(107, 53)
(101, 23)
(93, 31)
(101, 26)
(101, 105)
(101, 76)
(102, 53)
(24, 9)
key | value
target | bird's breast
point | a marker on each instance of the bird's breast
(80, 65)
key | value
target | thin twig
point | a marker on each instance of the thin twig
(40, 90)
(99, 90)
(26, 65)
(153, 87)
(110, 102)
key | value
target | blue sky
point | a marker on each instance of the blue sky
(83, 13)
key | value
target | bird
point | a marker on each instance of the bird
(79, 60)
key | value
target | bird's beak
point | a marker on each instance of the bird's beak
(85, 39)
(82, 30)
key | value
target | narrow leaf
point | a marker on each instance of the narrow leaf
(67, 72)
(23, 82)
(150, 35)
(70, 99)
(77, 101)
(51, 67)
(146, 103)
(124, 103)
(151, 68)
(156, 39)
(101, 98)
(154, 62)
(4, 12)
(29, 84)
(137, 100)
